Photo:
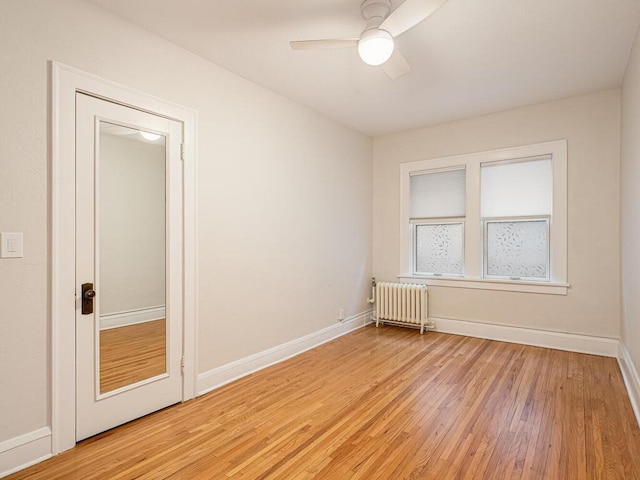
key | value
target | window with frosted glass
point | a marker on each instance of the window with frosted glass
(517, 249)
(439, 249)
(516, 207)
(437, 212)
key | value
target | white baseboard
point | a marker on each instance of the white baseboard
(23, 451)
(631, 379)
(122, 319)
(606, 347)
(220, 376)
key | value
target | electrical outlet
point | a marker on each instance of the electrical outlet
(11, 245)
(341, 314)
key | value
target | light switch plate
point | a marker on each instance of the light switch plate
(11, 245)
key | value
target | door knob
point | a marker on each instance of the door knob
(88, 294)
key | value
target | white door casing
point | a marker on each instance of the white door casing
(66, 83)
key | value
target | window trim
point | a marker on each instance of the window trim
(473, 229)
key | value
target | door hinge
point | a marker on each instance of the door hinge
(182, 152)
(182, 365)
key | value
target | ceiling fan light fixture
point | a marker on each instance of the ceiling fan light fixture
(375, 46)
(152, 137)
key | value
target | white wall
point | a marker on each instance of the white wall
(630, 207)
(284, 196)
(591, 124)
(131, 224)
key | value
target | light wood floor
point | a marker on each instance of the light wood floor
(385, 403)
(132, 353)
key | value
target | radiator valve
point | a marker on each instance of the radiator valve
(372, 300)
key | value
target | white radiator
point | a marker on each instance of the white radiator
(402, 304)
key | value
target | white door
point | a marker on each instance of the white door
(129, 260)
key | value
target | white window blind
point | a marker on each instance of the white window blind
(517, 189)
(438, 195)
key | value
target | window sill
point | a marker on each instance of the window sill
(484, 284)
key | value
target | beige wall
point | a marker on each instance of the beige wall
(591, 125)
(284, 196)
(131, 225)
(630, 206)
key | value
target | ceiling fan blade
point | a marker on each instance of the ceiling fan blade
(324, 44)
(409, 14)
(396, 66)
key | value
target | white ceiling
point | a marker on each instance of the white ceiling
(470, 57)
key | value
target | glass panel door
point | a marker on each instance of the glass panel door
(129, 261)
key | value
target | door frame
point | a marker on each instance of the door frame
(66, 82)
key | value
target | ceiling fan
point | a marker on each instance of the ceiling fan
(376, 45)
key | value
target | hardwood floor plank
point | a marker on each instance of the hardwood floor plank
(384, 404)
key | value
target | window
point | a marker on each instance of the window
(516, 207)
(516, 249)
(493, 220)
(439, 248)
(437, 222)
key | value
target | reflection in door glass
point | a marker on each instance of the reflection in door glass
(131, 236)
